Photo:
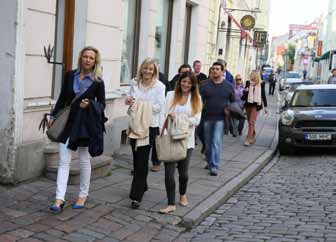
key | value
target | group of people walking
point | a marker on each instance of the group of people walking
(209, 103)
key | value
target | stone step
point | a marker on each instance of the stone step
(101, 167)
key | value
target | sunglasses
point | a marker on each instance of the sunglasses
(238, 79)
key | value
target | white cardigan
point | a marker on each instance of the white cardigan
(194, 120)
(155, 95)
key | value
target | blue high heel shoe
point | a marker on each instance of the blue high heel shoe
(57, 209)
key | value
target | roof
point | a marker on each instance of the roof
(317, 86)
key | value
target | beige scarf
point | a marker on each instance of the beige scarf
(254, 94)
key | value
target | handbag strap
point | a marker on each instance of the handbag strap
(81, 89)
(165, 126)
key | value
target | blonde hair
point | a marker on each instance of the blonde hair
(146, 62)
(97, 69)
(196, 101)
(255, 76)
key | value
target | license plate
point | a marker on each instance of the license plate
(318, 136)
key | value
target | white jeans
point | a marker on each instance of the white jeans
(64, 169)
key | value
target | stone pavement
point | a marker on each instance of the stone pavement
(291, 200)
(24, 212)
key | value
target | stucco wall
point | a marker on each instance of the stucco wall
(8, 13)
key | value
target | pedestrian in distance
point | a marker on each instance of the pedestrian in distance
(182, 69)
(255, 97)
(227, 77)
(216, 95)
(84, 90)
(197, 65)
(145, 88)
(332, 78)
(185, 99)
(238, 123)
(304, 72)
(271, 82)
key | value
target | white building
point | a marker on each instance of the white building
(125, 31)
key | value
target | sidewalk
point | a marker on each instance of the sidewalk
(24, 212)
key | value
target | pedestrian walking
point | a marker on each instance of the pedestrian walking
(182, 69)
(255, 97)
(197, 65)
(332, 78)
(227, 77)
(304, 72)
(84, 90)
(216, 95)
(271, 82)
(145, 88)
(185, 99)
(238, 123)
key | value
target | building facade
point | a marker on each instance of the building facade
(125, 31)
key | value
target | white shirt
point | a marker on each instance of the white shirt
(187, 109)
(155, 95)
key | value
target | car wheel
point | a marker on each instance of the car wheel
(285, 149)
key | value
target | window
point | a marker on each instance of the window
(130, 44)
(163, 33)
(186, 33)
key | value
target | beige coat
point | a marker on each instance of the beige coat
(140, 119)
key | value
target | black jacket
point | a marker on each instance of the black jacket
(88, 129)
(96, 92)
(263, 96)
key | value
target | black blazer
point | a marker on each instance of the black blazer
(263, 96)
(95, 92)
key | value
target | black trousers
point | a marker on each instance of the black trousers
(140, 166)
(182, 167)
(155, 132)
(271, 88)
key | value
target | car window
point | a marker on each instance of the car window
(293, 75)
(314, 98)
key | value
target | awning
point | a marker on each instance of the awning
(325, 56)
(243, 32)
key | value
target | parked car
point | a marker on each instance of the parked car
(309, 119)
(291, 87)
(291, 76)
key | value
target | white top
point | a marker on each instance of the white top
(186, 108)
(155, 95)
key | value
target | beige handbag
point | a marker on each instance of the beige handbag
(168, 149)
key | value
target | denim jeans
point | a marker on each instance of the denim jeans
(213, 134)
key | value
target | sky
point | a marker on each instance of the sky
(285, 12)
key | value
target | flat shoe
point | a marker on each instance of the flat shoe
(184, 202)
(168, 209)
(77, 206)
(56, 209)
(155, 168)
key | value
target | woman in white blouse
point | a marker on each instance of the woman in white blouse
(184, 99)
(145, 87)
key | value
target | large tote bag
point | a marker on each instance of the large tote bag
(58, 125)
(168, 149)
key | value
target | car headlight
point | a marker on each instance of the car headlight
(287, 117)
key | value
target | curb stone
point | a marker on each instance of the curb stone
(216, 199)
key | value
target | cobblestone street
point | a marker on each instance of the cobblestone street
(293, 201)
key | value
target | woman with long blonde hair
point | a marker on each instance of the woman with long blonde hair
(255, 101)
(82, 90)
(145, 87)
(184, 99)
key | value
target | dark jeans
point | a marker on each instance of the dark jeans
(271, 88)
(155, 132)
(228, 126)
(140, 166)
(200, 133)
(182, 167)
